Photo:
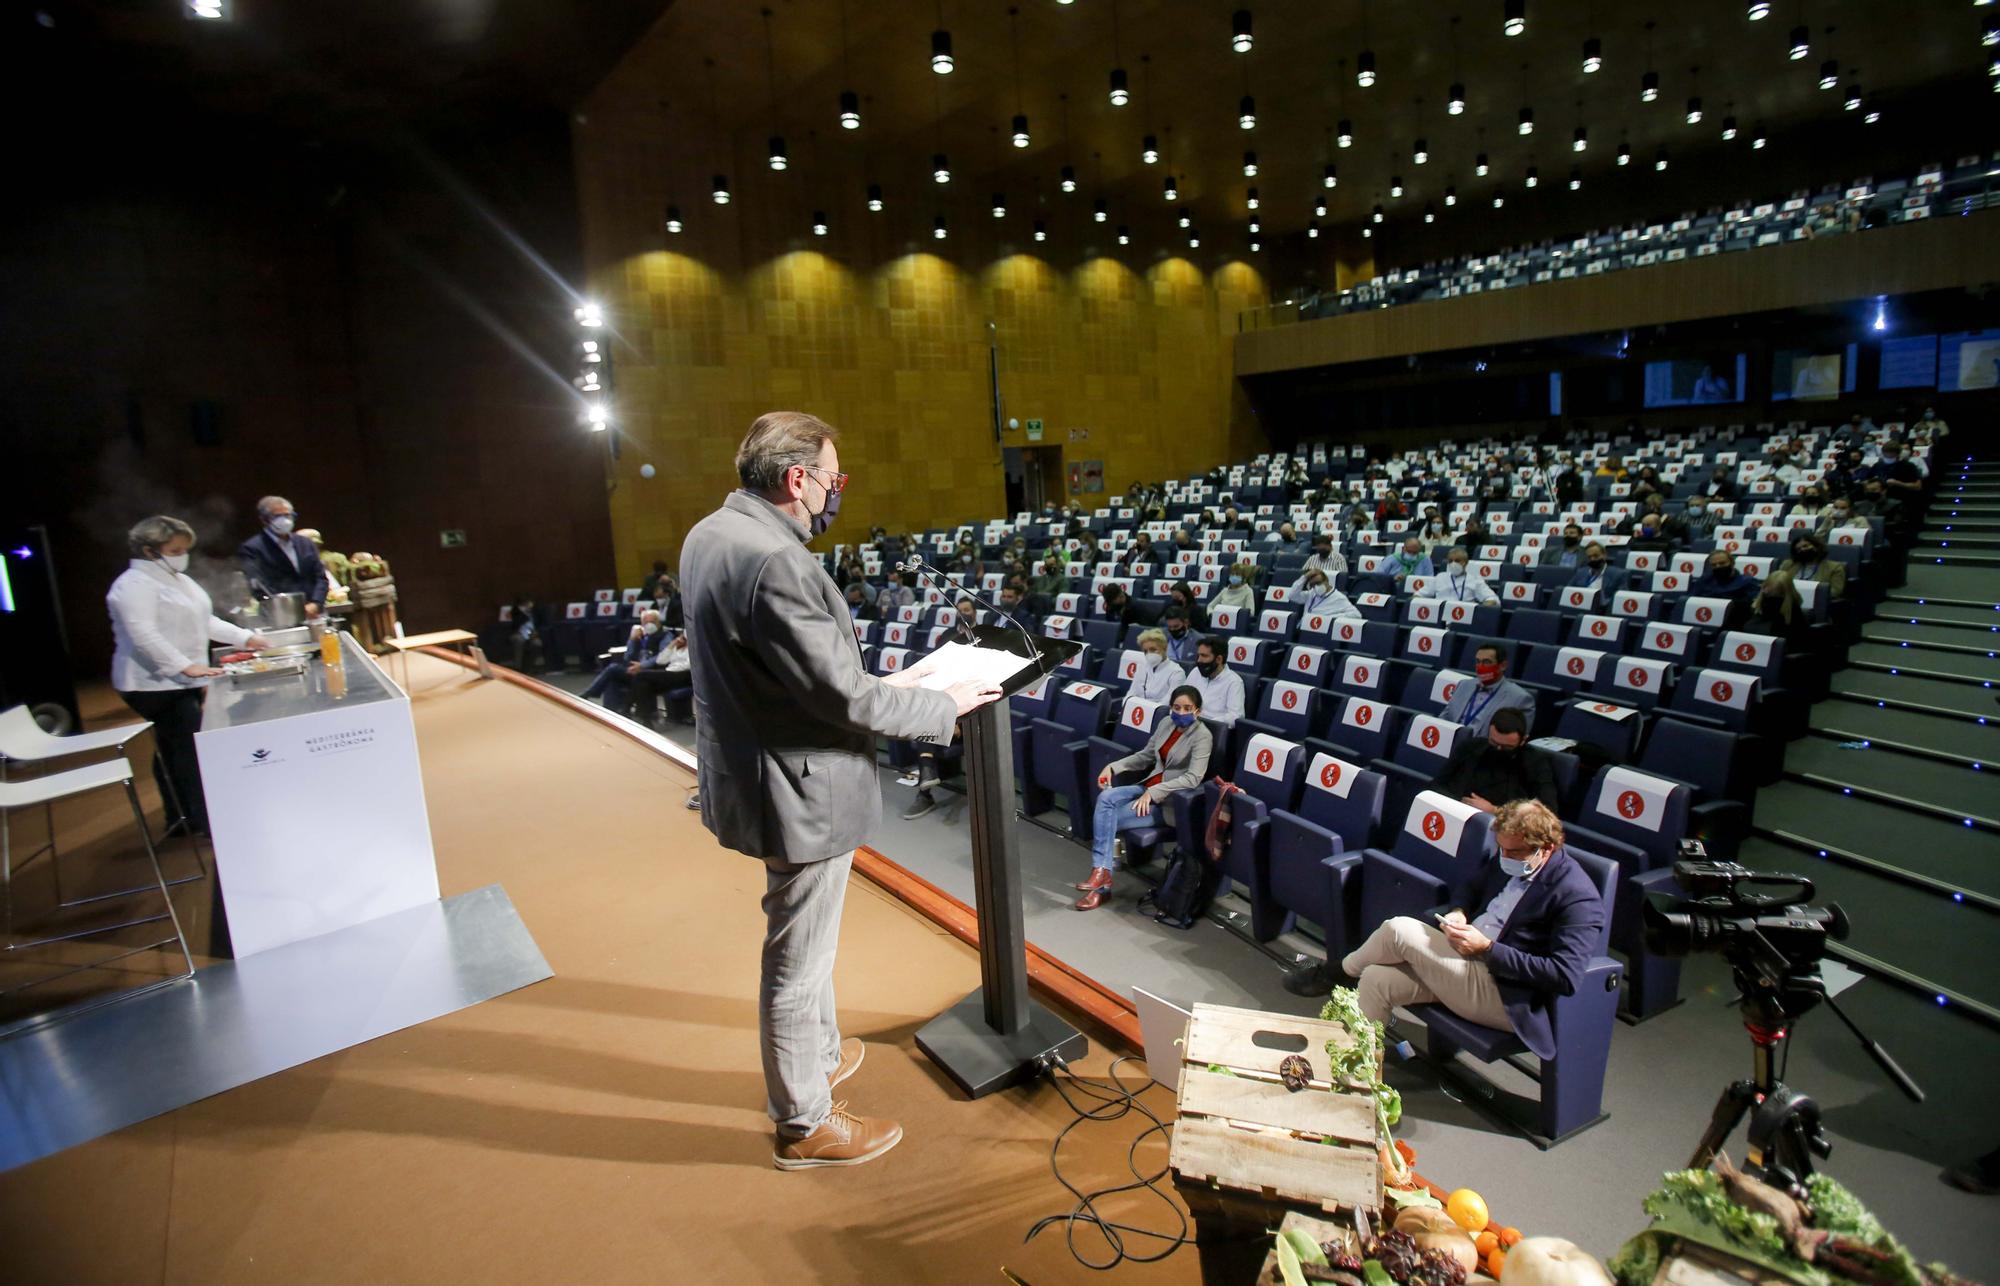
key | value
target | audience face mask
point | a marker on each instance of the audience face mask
(1235, 579)
(653, 627)
(1210, 667)
(175, 562)
(1182, 718)
(1152, 659)
(282, 524)
(1569, 541)
(1488, 671)
(1596, 560)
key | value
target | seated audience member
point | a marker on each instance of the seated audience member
(1696, 522)
(1597, 573)
(1459, 583)
(1485, 773)
(1569, 485)
(1473, 705)
(1810, 563)
(1476, 535)
(1158, 675)
(653, 579)
(1433, 530)
(1182, 595)
(660, 676)
(1613, 469)
(1231, 520)
(1221, 688)
(1652, 508)
(1784, 471)
(1139, 559)
(1651, 533)
(1284, 535)
(1013, 603)
(1568, 552)
(1088, 551)
(1182, 638)
(1779, 612)
(524, 635)
(1237, 593)
(1721, 484)
(1174, 758)
(1116, 605)
(894, 596)
(1325, 558)
(1520, 934)
(1391, 512)
(858, 606)
(1318, 597)
(1410, 560)
(1813, 504)
(613, 681)
(1049, 580)
(1184, 546)
(1722, 580)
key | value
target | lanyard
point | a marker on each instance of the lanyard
(1477, 703)
(1458, 587)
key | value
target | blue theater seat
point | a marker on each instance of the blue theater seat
(1315, 847)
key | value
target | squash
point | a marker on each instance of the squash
(1433, 1229)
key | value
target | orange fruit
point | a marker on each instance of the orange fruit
(1467, 1209)
(1486, 1243)
(1494, 1263)
(1510, 1236)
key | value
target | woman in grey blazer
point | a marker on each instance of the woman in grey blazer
(1174, 758)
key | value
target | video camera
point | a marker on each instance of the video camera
(1761, 923)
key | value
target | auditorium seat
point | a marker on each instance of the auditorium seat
(1441, 842)
(1363, 728)
(1267, 771)
(1420, 754)
(1637, 820)
(1315, 847)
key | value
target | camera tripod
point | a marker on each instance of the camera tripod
(1785, 1132)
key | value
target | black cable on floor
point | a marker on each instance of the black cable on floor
(1113, 1101)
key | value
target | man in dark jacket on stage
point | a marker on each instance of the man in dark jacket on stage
(279, 561)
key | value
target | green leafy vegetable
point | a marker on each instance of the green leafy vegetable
(1357, 1064)
(1413, 1198)
(1376, 1274)
(1288, 1263)
(1308, 1250)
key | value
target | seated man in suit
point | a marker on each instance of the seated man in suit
(277, 560)
(614, 678)
(1598, 573)
(1722, 580)
(1519, 935)
(1473, 705)
(1569, 553)
(1810, 563)
(1502, 767)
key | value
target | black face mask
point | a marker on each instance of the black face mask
(1210, 668)
(1596, 563)
(1177, 630)
(1570, 542)
(1503, 752)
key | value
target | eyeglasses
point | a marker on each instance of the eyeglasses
(839, 483)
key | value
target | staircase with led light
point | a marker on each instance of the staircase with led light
(1887, 802)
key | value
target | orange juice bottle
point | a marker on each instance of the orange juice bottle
(329, 646)
(336, 682)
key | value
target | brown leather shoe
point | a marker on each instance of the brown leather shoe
(1095, 898)
(842, 1139)
(851, 1052)
(1099, 879)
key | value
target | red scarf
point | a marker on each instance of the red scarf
(1165, 746)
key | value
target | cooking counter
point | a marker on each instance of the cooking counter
(315, 798)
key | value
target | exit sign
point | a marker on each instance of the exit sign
(1034, 430)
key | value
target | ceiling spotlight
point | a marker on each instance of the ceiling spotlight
(1255, 247)
(941, 61)
(1246, 112)
(1395, 186)
(1728, 128)
(940, 168)
(1319, 208)
(1801, 42)
(1514, 17)
(1041, 233)
(1069, 178)
(673, 218)
(207, 10)
(1149, 150)
(1829, 74)
(1124, 235)
(1454, 103)
(1256, 226)
(1694, 110)
(1249, 165)
(1593, 55)
(1649, 87)
(1853, 100)
(1420, 154)
(1194, 239)
(1377, 216)
(1239, 31)
(1575, 177)
(778, 161)
(1479, 166)
(1364, 69)
(1527, 119)
(1498, 201)
(875, 198)
(1660, 159)
(1329, 176)
(1430, 215)
(1450, 197)
(720, 188)
(1098, 213)
(1021, 136)
(850, 109)
(1757, 140)
(1989, 32)
(1580, 140)
(1343, 134)
(1367, 232)
(1533, 178)
(937, 228)
(999, 206)
(1250, 198)
(597, 417)
(1624, 153)
(1120, 95)
(819, 223)
(1312, 229)
(1171, 189)
(1759, 10)
(1874, 114)
(1186, 220)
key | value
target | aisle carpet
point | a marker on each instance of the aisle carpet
(606, 1125)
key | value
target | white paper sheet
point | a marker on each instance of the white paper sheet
(962, 662)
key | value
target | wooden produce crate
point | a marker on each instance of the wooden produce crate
(1247, 1149)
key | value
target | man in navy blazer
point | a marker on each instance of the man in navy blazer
(1598, 573)
(1522, 931)
(278, 561)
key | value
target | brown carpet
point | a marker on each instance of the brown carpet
(606, 1125)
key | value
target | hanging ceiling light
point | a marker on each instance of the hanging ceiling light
(1319, 207)
(1149, 150)
(1021, 136)
(850, 109)
(1660, 159)
(1019, 133)
(1580, 140)
(937, 228)
(1801, 42)
(1171, 190)
(1343, 135)
(940, 168)
(1498, 201)
(1593, 56)
(1728, 128)
(1255, 247)
(1757, 140)
(1069, 178)
(1829, 74)
(1853, 100)
(719, 188)
(999, 205)
(1312, 229)
(778, 158)
(1420, 152)
(1246, 112)
(1185, 219)
(875, 198)
(1364, 69)
(1239, 31)
(819, 223)
(1533, 177)
(673, 218)
(1514, 17)
(1041, 233)
(777, 148)
(1256, 226)
(1395, 186)
(1098, 213)
(1624, 153)
(1989, 32)
(1250, 199)
(1430, 214)
(1874, 114)
(1527, 121)
(1575, 177)
(1124, 235)
(1194, 239)
(1120, 95)
(1649, 87)
(1759, 10)
(1450, 197)
(1329, 176)
(941, 59)
(1377, 215)
(1249, 165)
(1479, 166)
(1694, 110)
(1454, 103)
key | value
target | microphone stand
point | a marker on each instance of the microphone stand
(914, 564)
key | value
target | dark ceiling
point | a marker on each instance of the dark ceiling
(1186, 83)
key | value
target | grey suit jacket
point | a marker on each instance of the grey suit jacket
(787, 717)
(1184, 765)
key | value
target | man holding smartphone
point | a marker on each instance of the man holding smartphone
(1503, 966)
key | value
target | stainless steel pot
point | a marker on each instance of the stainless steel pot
(283, 611)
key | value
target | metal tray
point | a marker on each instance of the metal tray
(266, 668)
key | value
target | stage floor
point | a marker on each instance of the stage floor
(606, 1125)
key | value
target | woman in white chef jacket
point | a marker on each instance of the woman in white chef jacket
(161, 625)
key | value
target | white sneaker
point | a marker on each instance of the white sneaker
(907, 779)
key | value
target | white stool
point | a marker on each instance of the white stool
(43, 792)
(22, 740)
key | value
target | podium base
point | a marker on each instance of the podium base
(981, 1060)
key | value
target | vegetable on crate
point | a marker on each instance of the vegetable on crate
(1359, 1065)
(1551, 1261)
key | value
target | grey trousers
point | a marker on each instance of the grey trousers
(1408, 962)
(796, 1024)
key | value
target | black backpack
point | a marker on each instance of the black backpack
(1189, 883)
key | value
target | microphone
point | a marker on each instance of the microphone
(922, 568)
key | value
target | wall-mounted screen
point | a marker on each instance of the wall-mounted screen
(1969, 359)
(1909, 363)
(1695, 381)
(1804, 376)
